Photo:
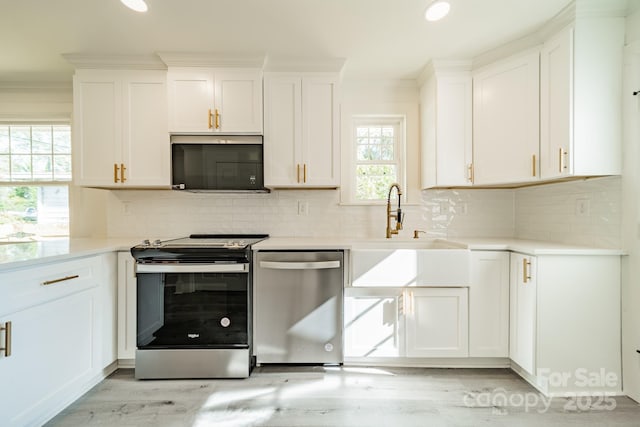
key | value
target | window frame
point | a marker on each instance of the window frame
(398, 122)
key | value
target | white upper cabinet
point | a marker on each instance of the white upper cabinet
(580, 87)
(505, 121)
(446, 126)
(226, 100)
(120, 131)
(301, 143)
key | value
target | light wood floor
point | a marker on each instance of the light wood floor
(341, 396)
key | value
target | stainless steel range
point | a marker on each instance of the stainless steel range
(194, 307)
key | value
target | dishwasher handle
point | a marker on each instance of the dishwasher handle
(305, 265)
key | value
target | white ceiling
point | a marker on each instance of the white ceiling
(378, 38)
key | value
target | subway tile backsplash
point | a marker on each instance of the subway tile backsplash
(586, 212)
(579, 212)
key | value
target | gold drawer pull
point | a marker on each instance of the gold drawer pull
(217, 119)
(63, 279)
(115, 173)
(304, 173)
(298, 172)
(122, 169)
(7, 339)
(533, 165)
(209, 121)
(526, 276)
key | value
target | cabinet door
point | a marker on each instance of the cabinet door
(97, 128)
(320, 143)
(51, 358)
(282, 131)
(505, 121)
(556, 98)
(489, 304)
(437, 323)
(191, 100)
(126, 306)
(447, 131)
(372, 323)
(238, 99)
(146, 137)
(105, 314)
(523, 294)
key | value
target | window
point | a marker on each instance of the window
(379, 146)
(35, 169)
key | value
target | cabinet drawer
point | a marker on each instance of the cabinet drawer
(33, 286)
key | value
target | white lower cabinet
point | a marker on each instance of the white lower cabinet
(489, 304)
(405, 322)
(437, 323)
(523, 284)
(372, 322)
(126, 308)
(59, 314)
(565, 322)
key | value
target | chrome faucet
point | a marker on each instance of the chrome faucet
(398, 212)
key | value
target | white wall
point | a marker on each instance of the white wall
(631, 211)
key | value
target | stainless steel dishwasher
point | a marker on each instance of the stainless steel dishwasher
(298, 303)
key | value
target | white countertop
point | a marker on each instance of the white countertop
(20, 255)
(530, 247)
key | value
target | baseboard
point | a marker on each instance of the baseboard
(407, 362)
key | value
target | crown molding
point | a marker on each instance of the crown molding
(211, 59)
(315, 65)
(129, 62)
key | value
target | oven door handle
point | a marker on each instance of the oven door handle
(309, 265)
(192, 268)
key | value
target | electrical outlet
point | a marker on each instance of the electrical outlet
(303, 207)
(583, 207)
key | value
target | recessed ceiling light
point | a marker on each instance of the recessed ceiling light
(137, 5)
(437, 10)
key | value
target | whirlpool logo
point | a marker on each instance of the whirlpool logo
(193, 336)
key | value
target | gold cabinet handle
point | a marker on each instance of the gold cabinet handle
(304, 173)
(217, 119)
(470, 173)
(209, 119)
(298, 173)
(7, 339)
(526, 276)
(122, 169)
(561, 160)
(115, 173)
(62, 279)
(533, 165)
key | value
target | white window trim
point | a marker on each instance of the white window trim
(349, 186)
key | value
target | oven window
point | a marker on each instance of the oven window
(192, 310)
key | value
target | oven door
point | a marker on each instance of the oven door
(204, 306)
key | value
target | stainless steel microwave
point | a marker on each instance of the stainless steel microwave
(216, 163)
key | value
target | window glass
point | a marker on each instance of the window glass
(35, 153)
(35, 168)
(377, 157)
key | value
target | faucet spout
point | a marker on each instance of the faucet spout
(397, 214)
